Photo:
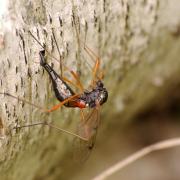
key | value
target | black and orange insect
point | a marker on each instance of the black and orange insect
(91, 98)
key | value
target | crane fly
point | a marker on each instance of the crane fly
(90, 99)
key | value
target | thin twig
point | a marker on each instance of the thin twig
(139, 154)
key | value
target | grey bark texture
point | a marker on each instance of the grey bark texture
(139, 44)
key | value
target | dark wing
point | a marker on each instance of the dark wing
(86, 129)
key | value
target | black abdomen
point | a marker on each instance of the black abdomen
(61, 89)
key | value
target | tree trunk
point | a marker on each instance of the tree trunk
(139, 45)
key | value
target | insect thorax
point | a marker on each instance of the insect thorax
(98, 95)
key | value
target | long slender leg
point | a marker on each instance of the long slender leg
(52, 126)
(39, 107)
(82, 115)
(62, 103)
(75, 76)
(42, 62)
(24, 100)
(78, 82)
(43, 46)
(96, 59)
(92, 55)
(61, 64)
(97, 73)
(96, 66)
(80, 87)
(57, 80)
(71, 82)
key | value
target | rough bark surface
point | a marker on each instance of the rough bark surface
(138, 42)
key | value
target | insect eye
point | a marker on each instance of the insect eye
(102, 96)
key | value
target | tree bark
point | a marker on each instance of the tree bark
(139, 44)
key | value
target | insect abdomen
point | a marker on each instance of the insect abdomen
(61, 89)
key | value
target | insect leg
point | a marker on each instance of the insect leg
(61, 67)
(82, 115)
(92, 55)
(78, 82)
(62, 103)
(72, 83)
(43, 46)
(50, 70)
(75, 76)
(96, 66)
(39, 107)
(24, 100)
(52, 126)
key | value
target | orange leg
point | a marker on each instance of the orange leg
(71, 72)
(70, 82)
(62, 103)
(39, 107)
(75, 76)
(93, 57)
(78, 83)
(95, 70)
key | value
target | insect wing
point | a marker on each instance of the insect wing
(86, 129)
